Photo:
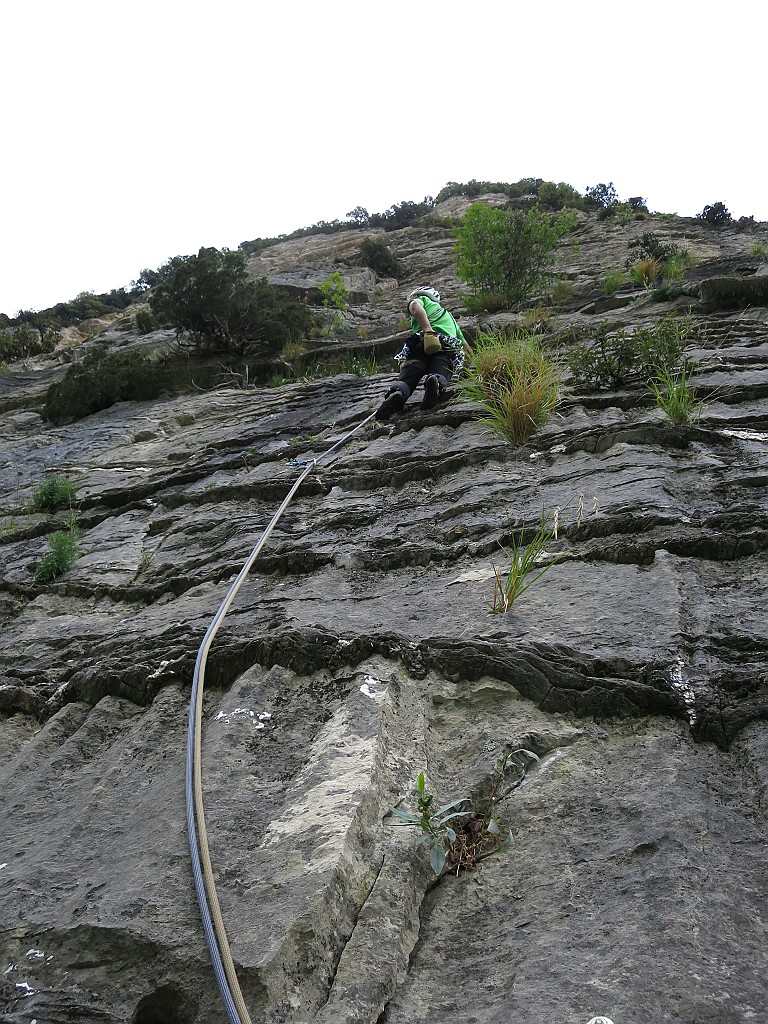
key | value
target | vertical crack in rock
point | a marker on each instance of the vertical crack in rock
(310, 854)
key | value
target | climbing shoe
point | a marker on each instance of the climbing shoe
(393, 403)
(431, 392)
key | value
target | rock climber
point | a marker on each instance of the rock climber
(436, 349)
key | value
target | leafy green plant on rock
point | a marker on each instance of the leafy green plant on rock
(662, 346)
(484, 833)
(211, 300)
(100, 380)
(25, 341)
(602, 358)
(650, 246)
(653, 261)
(379, 257)
(433, 824)
(463, 837)
(145, 321)
(508, 253)
(334, 292)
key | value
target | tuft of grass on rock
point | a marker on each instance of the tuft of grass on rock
(62, 553)
(515, 381)
(55, 492)
(675, 397)
(613, 280)
(526, 563)
(646, 271)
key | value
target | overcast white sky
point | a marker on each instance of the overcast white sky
(137, 131)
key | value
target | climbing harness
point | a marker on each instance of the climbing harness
(205, 886)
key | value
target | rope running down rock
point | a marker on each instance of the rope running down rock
(205, 886)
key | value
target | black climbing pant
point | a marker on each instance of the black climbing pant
(421, 365)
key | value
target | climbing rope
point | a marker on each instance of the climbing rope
(202, 870)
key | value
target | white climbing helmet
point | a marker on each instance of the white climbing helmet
(428, 290)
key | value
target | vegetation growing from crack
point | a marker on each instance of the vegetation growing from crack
(146, 559)
(650, 247)
(662, 265)
(350, 362)
(334, 292)
(379, 257)
(602, 358)
(62, 552)
(509, 252)
(675, 397)
(515, 381)
(433, 824)
(614, 279)
(101, 379)
(56, 491)
(525, 565)
(471, 835)
(484, 833)
(27, 340)
(214, 305)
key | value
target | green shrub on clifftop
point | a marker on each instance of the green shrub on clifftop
(716, 214)
(211, 299)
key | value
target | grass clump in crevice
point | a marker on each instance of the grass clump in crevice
(515, 382)
(56, 491)
(614, 279)
(526, 563)
(645, 271)
(349, 362)
(62, 552)
(653, 260)
(675, 397)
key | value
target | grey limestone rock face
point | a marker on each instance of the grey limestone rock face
(361, 651)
